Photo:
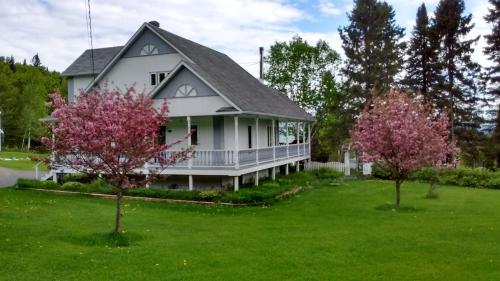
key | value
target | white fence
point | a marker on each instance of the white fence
(339, 166)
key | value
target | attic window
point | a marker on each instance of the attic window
(148, 50)
(186, 91)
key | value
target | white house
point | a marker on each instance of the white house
(244, 130)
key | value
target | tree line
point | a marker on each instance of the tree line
(24, 90)
(435, 66)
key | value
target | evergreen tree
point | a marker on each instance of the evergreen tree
(421, 75)
(373, 47)
(35, 61)
(458, 91)
(492, 50)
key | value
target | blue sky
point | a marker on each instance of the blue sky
(57, 29)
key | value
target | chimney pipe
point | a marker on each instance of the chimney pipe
(261, 73)
(154, 23)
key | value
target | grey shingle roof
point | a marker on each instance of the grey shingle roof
(220, 71)
(239, 86)
(82, 65)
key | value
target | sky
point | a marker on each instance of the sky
(57, 30)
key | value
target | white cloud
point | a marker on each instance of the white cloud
(57, 29)
(328, 8)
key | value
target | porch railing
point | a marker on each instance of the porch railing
(223, 159)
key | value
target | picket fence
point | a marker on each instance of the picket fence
(339, 166)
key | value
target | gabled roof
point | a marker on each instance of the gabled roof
(234, 82)
(220, 72)
(83, 66)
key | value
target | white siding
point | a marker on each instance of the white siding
(243, 132)
(178, 129)
(128, 71)
(80, 83)
(193, 106)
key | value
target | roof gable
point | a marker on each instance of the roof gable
(183, 77)
(147, 37)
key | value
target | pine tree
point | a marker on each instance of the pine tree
(493, 72)
(373, 47)
(421, 75)
(35, 61)
(458, 92)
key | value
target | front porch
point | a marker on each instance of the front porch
(236, 145)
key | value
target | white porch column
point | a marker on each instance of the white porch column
(287, 141)
(190, 160)
(304, 137)
(273, 141)
(257, 140)
(298, 138)
(309, 137)
(273, 173)
(236, 183)
(236, 144)
(257, 178)
(297, 166)
(347, 163)
(286, 169)
(190, 182)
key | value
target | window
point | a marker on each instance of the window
(149, 50)
(186, 91)
(153, 79)
(194, 135)
(269, 136)
(249, 136)
(162, 136)
(158, 77)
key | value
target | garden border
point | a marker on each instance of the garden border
(281, 196)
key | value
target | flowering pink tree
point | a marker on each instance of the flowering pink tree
(111, 134)
(401, 136)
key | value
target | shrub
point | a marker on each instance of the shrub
(460, 176)
(100, 186)
(494, 183)
(74, 186)
(31, 183)
(270, 184)
(380, 173)
(83, 178)
(209, 195)
(326, 173)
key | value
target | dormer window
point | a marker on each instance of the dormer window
(149, 50)
(186, 91)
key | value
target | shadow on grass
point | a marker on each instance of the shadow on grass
(109, 239)
(400, 209)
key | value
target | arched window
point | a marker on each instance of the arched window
(148, 50)
(186, 91)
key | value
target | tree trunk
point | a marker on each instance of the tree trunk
(398, 193)
(118, 217)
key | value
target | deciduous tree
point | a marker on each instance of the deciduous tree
(111, 134)
(401, 136)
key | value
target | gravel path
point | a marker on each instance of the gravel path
(8, 177)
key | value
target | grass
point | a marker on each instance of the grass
(24, 164)
(332, 232)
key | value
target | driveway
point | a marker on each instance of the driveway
(8, 177)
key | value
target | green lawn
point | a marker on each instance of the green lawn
(24, 163)
(328, 233)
